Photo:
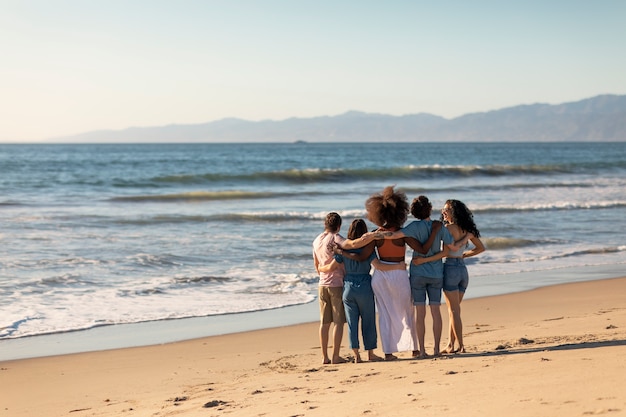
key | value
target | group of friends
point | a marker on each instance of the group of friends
(349, 292)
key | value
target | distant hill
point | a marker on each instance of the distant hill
(601, 118)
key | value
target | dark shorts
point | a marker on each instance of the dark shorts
(424, 286)
(455, 276)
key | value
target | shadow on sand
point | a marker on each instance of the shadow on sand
(535, 349)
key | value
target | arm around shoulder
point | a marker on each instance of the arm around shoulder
(439, 255)
(360, 242)
(381, 266)
(329, 267)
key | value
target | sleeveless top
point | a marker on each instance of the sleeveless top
(457, 253)
(389, 250)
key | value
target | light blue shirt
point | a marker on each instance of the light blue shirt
(420, 230)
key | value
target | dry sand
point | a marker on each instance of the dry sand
(554, 351)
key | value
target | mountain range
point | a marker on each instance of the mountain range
(600, 118)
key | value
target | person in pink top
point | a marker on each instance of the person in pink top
(330, 288)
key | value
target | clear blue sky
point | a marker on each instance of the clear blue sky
(71, 66)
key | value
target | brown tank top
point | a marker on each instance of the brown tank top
(389, 250)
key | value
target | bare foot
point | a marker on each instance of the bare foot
(419, 354)
(338, 359)
(449, 349)
(390, 357)
(357, 359)
(374, 358)
(326, 361)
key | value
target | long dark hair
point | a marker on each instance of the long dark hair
(463, 217)
(357, 229)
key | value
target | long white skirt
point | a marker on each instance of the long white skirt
(395, 310)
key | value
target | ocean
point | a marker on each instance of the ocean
(101, 235)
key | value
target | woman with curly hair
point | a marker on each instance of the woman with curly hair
(459, 221)
(389, 210)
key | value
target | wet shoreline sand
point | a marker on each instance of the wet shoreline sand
(175, 330)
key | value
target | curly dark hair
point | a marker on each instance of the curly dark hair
(463, 217)
(388, 209)
(357, 229)
(421, 207)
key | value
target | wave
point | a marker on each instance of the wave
(593, 251)
(205, 196)
(280, 216)
(414, 172)
(9, 330)
(565, 205)
(203, 280)
(243, 217)
(286, 216)
(226, 195)
(559, 255)
(503, 243)
(504, 187)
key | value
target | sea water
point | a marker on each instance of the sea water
(97, 235)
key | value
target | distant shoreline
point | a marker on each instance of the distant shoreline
(598, 118)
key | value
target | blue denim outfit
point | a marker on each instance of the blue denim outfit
(455, 276)
(427, 279)
(358, 301)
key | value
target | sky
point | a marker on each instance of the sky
(74, 66)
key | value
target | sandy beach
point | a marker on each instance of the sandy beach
(553, 351)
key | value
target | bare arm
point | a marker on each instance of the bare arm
(360, 242)
(479, 247)
(316, 262)
(414, 243)
(361, 256)
(460, 237)
(440, 255)
(458, 244)
(381, 266)
(329, 267)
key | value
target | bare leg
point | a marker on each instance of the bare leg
(416, 344)
(435, 310)
(460, 337)
(337, 336)
(357, 356)
(420, 326)
(324, 330)
(455, 316)
(450, 301)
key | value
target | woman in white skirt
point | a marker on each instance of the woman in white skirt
(392, 289)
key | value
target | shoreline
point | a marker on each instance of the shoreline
(555, 350)
(119, 336)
